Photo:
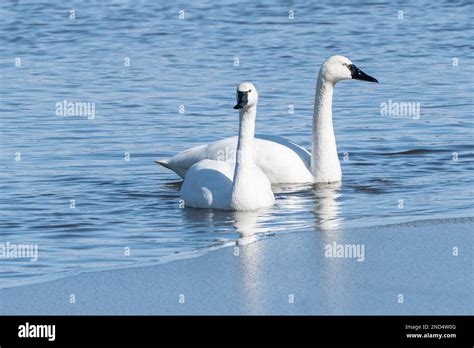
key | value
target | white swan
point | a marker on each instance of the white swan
(234, 185)
(280, 159)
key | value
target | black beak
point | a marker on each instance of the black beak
(358, 74)
(242, 100)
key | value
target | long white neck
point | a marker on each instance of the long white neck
(325, 165)
(245, 149)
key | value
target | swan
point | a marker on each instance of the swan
(282, 160)
(233, 185)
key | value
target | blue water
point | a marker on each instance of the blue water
(397, 168)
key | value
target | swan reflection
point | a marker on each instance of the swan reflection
(327, 206)
(252, 263)
(314, 208)
(335, 280)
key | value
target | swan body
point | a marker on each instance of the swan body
(237, 184)
(280, 159)
(208, 184)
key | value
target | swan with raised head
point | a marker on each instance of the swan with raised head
(280, 159)
(233, 185)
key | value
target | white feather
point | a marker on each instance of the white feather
(280, 159)
(235, 185)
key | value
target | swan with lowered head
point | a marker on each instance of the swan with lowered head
(233, 185)
(280, 159)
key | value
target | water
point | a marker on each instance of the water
(397, 169)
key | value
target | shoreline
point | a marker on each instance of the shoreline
(284, 274)
(204, 250)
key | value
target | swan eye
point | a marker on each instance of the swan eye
(249, 91)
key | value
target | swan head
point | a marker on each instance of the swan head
(247, 96)
(338, 68)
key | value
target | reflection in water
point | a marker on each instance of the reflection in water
(249, 225)
(327, 224)
(334, 275)
(327, 208)
(254, 269)
(252, 261)
(252, 225)
(245, 224)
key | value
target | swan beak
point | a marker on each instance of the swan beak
(358, 74)
(242, 100)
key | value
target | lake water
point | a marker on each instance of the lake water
(86, 189)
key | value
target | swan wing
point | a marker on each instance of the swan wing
(280, 159)
(208, 184)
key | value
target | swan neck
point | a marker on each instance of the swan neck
(245, 147)
(325, 165)
(246, 135)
